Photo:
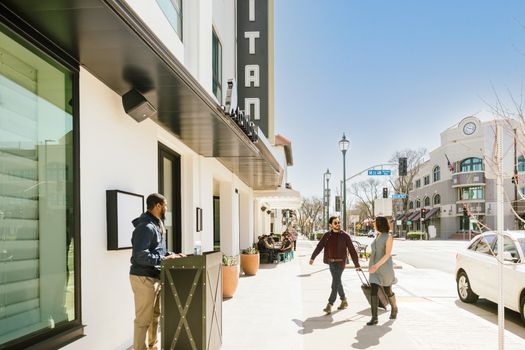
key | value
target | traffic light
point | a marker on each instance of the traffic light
(385, 192)
(403, 167)
(465, 210)
(423, 213)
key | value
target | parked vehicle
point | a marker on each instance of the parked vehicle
(477, 270)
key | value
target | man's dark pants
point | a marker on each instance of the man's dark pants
(337, 285)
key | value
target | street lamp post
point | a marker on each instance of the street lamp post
(343, 146)
(327, 195)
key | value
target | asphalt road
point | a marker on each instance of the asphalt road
(438, 255)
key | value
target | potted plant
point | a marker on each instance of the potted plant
(230, 275)
(250, 261)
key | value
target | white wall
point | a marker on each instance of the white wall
(116, 152)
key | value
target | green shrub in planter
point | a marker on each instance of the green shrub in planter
(416, 235)
(318, 236)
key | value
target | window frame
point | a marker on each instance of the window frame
(418, 183)
(179, 12)
(436, 173)
(216, 81)
(418, 204)
(426, 180)
(471, 164)
(520, 164)
(438, 196)
(426, 201)
(41, 46)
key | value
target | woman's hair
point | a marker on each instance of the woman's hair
(382, 224)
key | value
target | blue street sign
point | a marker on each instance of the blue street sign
(398, 196)
(374, 172)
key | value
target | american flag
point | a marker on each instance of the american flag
(450, 166)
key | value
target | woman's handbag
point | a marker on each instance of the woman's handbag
(367, 290)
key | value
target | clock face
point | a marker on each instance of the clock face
(469, 128)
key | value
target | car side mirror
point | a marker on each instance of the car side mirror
(507, 256)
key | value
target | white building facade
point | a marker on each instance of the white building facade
(461, 174)
(67, 137)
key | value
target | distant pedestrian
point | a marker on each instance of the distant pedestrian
(336, 244)
(382, 268)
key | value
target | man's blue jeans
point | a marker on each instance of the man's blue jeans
(337, 285)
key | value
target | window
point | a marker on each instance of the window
(508, 246)
(173, 11)
(39, 281)
(427, 201)
(410, 205)
(418, 204)
(436, 173)
(437, 199)
(522, 190)
(426, 180)
(467, 193)
(418, 183)
(472, 164)
(217, 67)
(484, 244)
(521, 163)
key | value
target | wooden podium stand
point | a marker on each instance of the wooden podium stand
(191, 302)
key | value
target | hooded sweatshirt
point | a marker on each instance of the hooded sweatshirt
(149, 246)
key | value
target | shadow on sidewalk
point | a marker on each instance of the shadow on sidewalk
(369, 336)
(319, 322)
(488, 310)
(311, 273)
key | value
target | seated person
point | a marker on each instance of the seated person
(267, 246)
(287, 245)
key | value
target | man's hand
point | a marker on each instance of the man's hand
(171, 256)
(311, 261)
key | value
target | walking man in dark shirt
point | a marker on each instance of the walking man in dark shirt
(149, 249)
(336, 244)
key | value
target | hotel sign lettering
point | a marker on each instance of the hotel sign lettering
(252, 61)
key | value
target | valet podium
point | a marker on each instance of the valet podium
(191, 301)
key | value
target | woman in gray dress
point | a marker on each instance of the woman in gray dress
(381, 268)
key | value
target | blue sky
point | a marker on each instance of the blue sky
(390, 74)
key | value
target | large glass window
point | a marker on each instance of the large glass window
(475, 192)
(426, 201)
(472, 164)
(418, 204)
(418, 183)
(37, 255)
(521, 163)
(173, 11)
(426, 180)
(437, 173)
(217, 67)
(437, 199)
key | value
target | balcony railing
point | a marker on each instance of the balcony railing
(468, 178)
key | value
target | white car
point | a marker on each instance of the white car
(477, 272)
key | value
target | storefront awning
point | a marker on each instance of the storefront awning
(112, 43)
(282, 198)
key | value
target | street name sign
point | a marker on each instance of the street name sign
(398, 196)
(374, 172)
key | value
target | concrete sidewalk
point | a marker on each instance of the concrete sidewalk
(281, 308)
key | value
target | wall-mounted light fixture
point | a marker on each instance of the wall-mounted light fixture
(137, 106)
(263, 208)
(268, 211)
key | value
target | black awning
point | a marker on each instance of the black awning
(111, 42)
(431, 213)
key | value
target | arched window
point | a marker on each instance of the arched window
(418, 204)
(437, 199)
(410, 205)
(437, 173)
(426, 201)
(472, 164)
(521, 163)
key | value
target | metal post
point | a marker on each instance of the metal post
(343, 209)
(325, 222)
(327, 201)
(499, 219)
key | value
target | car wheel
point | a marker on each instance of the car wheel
(464, 291)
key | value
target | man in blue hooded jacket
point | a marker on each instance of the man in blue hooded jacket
(149, 249)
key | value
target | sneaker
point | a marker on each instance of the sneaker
(328, 309)
(344, 304)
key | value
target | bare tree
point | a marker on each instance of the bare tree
(310, 214)
(366, 192)
(403, 184)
